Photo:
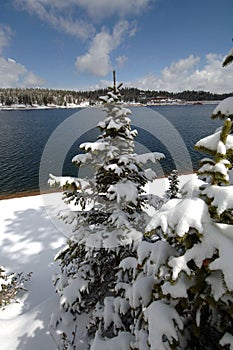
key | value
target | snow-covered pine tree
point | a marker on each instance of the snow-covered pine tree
(108, 214)
(216, 172)
(177, 292)
(224, 109)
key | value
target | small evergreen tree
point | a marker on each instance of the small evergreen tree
(10, 285)
(109, 218)
(173, 190)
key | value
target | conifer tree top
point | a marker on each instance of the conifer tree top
(224, 109)
(213, 144)
(229, 58)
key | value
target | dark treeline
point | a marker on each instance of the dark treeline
(133, 94)
(30, 96)
(9, 96)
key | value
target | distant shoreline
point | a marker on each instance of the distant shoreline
(30, 193)
(57, 190)
(34, 108)
(86, 105)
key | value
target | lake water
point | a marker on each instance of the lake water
(24, 134)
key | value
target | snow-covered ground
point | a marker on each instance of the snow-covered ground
(31, 234)
(83, 104)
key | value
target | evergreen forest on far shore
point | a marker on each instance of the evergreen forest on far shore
(41, 96)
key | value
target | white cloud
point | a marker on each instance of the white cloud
(59, 15)
(121, 61)
(13, 74)
(5, 36)
(105, 8)
(97, 60)
(74, 16)
(189, 74)
(95, 9)
(32, 80)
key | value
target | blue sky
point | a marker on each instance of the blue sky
(172, 45)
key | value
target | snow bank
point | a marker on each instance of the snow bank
(28, 242)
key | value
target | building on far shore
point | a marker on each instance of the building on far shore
(164, 100)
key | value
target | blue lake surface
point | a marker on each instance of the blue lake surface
(24, 135)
